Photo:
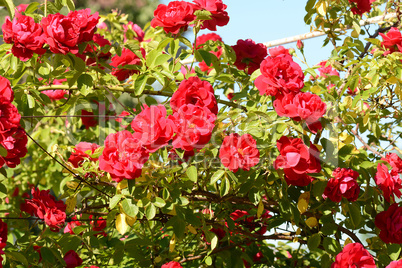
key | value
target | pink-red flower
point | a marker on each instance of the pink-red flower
(193, 127)
(45, 207)
(173, 17)
(152, 127)
(98, 224)
(395, 264)
(249, 55)
(127, 58)
(123, 156)
(26, 36)
(392, 41)
(279, 50)
(304, 106)
(326, 69)
(194, 91)
(279, 75)
(219, 17)
(86, 23)
(72, 259)
(389, 222)
(344, 184)
(6, 92)
(15, 142)
(395, 161)
(133, 32)
(297, 160)
(81, 153)
(389, 183)
(242, 218)
(361, 6)
(172, 264)
(354, 255)
(239, 152)
(3, 231)
(71, 225)
(201, 40)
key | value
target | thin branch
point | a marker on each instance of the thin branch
(350, 234)
(368, 147)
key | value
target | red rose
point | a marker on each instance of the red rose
(152, 127)
(389, 222)
(202, 39)
(300, 44)
(279, 50)
(279, 75)
(239, 152)
(354, 255)
(9, 117)
(56, 94)
(127, 58)
(62, 33)
(86, 23)
(71, 225)
(360, 6)
(72, 259)
(390, 184)
(3, 231)
(302, 106)
(123, 156)
(6, 93)
(15, 142)
(88, 121)
(21, 8)
(297, 159)
(174, 17)
(343, 185)
(194, 91)
(395, 161)
(249, 55)
(98, 224)
(241, 219)
(44, 206)
(25, 35)
(395, 264)
(172, 264)
(326, 69)
(80, 153)
(219, 17)
(133, 32)
(392, 39)
(193, 127)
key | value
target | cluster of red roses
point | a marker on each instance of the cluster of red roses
(12, 136)
(178, 15)
(44, 206)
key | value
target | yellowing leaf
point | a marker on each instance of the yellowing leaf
(319, 147)
(321, 8)
(72, 185)
(192, 229)
(260, 209)
(70, 203)
(302, 204)
(347, 241)
(121, 224)
(122, 185)
(130, 220)
(392, 80)
(315, 89)
(312, 222)
(298, 231)
(346, 138)
(172, 243)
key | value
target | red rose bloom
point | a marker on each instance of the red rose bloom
(219, 17)
(279, 50)
(86, 23)
(21, 8)
(328, 70)
(302, 106)
(25, 35)
(194, 91)
(297, 159)
(279, 75)
(6, 93)
(389, 222)
(172, 264)
(193, 127)
(395, 264)
(98, 224)
(56, 94)
(390, 184)
(79, 154)
(239, 152)
(354, 255)
(9, 117)
(71, 225)
(72, 259)
(15, 142)
(44, 206)
(152, 127)
(202, 39)
(343, 185)
(123, 156)
(127, 58)
(62, 33)
(174, 17)
(360, 6)
(88, 121)
(249, 55)
(391, 40)
(395, 161)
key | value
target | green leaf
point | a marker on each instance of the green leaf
(129, 208)
(31, 101)
(70, 4)
(331, 246)
(208, 260)
(10, 7)
(192, 173)
(161, 59)
(151, 56)
(84, 84)
(159, 202)
(17, 257)
(225, 187)
(114, 201)
(314, 241)
(47, 255)
(32, 7)
(202, 55)
(354, 213)
(393, 251)
(150, 211)
(3, 151)
(174, 47)
(140, 84)
(216, 176)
